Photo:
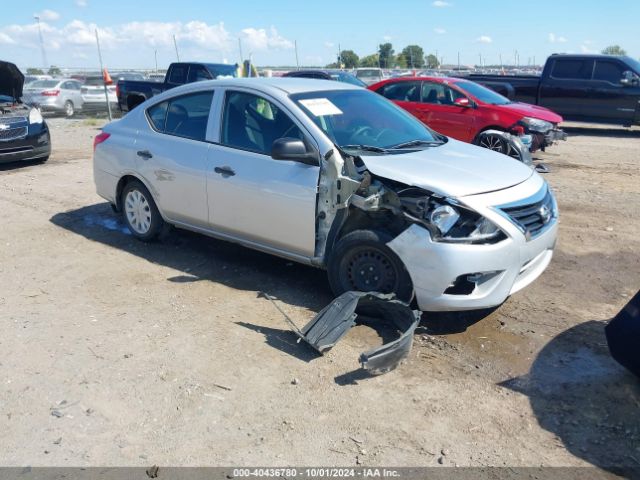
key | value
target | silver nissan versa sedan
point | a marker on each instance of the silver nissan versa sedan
(334, 176)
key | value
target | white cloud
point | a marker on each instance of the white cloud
(6, 39)
(586, 48)
(553, 38)
(81, 3)
(329, 44)
(47, 15)
(440, 31)
(484, 39)
(259, 39)
(387, 38)
(441, 3)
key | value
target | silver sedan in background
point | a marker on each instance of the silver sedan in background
(61, 95)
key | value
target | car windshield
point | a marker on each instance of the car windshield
(347, 78)
(363, 120)
(223, 71)
(94, 81)
(634, 64)
(482, 93)
(43, 84)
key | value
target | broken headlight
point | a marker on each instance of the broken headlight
(536, 125)
(468, 227)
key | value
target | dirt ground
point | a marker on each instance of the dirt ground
(114, 352)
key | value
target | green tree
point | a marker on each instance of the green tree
(53, 70)
(348, 59)
(401, 61)
(413, 56)
(385, 51)
(34, 71)
(369, 61)
(432, 61)
(614, 50)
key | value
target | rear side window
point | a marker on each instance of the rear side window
(178, 75)
(608, 71)
(185, 116)
(572, 69)
(401, 91)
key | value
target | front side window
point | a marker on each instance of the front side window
(358, 117)
(253, 123)
(439, 94)
(185, 116)
(610, 72)
(401, 91)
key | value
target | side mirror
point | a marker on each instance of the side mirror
(287, 148)
(462, 102)
(628, 78)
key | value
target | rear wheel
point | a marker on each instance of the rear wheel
(140, 212)
(361, 261)
(69, 109)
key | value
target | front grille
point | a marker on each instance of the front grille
(12, 133)
(532, 217)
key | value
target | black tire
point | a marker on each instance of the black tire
(69, 109)
(497, 144)
(137, 213)
(362, 261)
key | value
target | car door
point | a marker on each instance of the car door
(438, 111)
(611, 100)
(405, 94)
(252, 196)
(171, 156)
(566, 89)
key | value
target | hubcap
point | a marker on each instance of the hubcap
(69, 109)
(370, 270)
(138, 212)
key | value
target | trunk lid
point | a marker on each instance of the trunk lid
(11, 80)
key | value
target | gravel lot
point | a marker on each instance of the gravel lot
(115, 352)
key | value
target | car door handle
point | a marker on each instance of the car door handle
(225, 171)
(145, 154)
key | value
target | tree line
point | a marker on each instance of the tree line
(411, 56)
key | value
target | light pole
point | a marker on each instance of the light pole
(45, 64)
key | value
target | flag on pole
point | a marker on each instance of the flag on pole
(106, 77)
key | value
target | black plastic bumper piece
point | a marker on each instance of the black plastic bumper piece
(335, 320)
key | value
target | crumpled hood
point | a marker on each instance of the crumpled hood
(11, 80)
(454, 169)
(533, 111)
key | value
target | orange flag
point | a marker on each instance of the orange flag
(106, 77)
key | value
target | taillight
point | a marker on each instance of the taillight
(101, 137)
(51, 93)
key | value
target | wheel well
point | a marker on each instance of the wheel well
(357, 219)
(120, 187)
(134, 100)
(491, 127)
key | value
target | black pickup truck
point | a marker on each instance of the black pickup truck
(584, 88)
(132, 93)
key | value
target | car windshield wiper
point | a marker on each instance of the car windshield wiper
(366, 148)
(415, 143)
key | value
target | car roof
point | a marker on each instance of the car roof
(288, 85)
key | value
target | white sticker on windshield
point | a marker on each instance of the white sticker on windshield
(321, 107)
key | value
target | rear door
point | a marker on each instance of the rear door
(566, 90)
(610, 100)
(439, 112)
(171, 155)
(404, 94)
(252, 196)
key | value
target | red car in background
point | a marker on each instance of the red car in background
(464, 110)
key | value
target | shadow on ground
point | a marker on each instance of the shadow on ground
(580, 394)
(608, 131)
(19, 165)
(203, 258)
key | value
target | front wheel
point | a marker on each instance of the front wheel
(362, 261)
(140, 212)
(498, 144)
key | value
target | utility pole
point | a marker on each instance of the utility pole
(106, 92)
(155, 54)
(175, 44)
(45, 64)
(295, 44)
(458, 61)
(240, 49)
(339, 57)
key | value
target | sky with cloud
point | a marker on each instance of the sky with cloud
(132, 33)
